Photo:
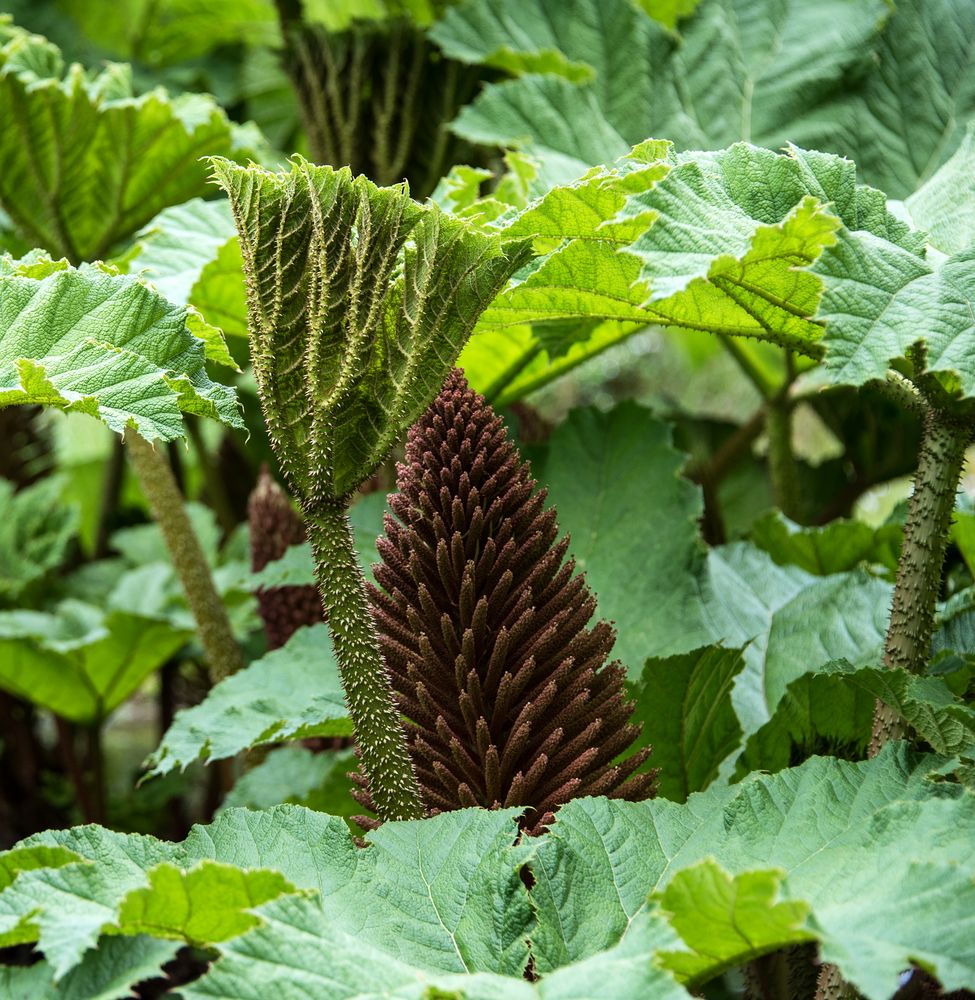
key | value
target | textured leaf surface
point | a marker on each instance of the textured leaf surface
(743, 70)
(684, 703)
(94, 162)
(191, 254)
(352, 327)
(107, 973)
(836, 78)
(297, 775)
(107, 345)
(80, 662)
(292, 692)
(206, 904)
(632, 521)
(613, 477)
(723, 919)
(449, 900)
(882, 888)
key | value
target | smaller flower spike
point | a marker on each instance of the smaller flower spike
(484, 626)
(274, 526)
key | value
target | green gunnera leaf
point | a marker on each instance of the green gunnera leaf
(359, 302)
(86, 162)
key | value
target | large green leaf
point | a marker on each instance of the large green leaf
(92, 161)
(106, 344)
(450, 899)
(106, 974)
(832, 709)
(297, 775)
(879, 857)
(835, 77)
(291, 693)
(684, 705)
(164, 32)
(79, 661)
(614, 479)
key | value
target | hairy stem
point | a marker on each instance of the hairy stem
(368, 692)
(166, 503)
(832, 986)
(922, 556)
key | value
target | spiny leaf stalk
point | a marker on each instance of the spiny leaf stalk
(485, 627)
(166, 504)
(379, 734)
(274, 526)
(919, 569)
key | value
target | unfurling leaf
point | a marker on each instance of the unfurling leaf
(359, 302)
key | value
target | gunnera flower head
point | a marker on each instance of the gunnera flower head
(485, 629)
(274, 526)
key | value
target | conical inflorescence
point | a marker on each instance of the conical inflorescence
(274, 526)
(485, 628)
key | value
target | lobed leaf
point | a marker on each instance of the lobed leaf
(293, 692)
(93, 161)
(79, 661)
(108, 345)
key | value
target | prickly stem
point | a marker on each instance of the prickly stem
(922, 557)
(379, 733)
(168, 510)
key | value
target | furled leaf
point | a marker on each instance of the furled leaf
(35, 534)
(684, 704)
(742, 70)
(94, 162)
(879, 857)
(80, 662)
(297, 775)
(380, 296)
(291, 693)
(108, 345)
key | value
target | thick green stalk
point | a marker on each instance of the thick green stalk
(922, 556)
(368, 692)
(166, 503)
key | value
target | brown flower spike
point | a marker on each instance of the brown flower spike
(274, 526)
(485, 630)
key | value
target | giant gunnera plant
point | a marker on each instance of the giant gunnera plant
(359, 302)
(485, 628)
